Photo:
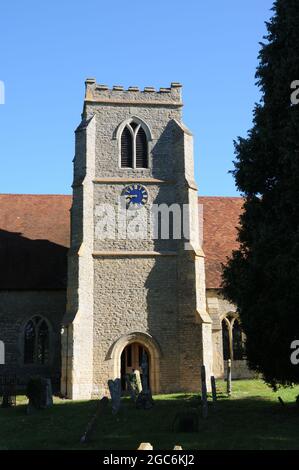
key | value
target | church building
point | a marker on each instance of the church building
(130, 264)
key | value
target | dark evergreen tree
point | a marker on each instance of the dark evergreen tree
(262, 277)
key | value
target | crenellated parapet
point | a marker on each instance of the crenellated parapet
(99, 93)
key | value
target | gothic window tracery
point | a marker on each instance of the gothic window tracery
(36, 341)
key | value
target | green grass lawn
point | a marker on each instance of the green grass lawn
(251, 419)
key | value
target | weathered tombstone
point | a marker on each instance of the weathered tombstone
(204, 392)
(214, 391)
(133, 382)
(39, 393)
(115, 392)
(229, 377)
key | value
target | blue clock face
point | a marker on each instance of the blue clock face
(136, 196)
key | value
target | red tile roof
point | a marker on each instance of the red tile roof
(35, 235)
(220, 221)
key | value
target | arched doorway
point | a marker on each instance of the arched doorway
(131, 359)
(154, 355)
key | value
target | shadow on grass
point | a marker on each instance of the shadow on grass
(244, 423)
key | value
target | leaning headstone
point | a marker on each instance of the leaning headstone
(204, 392)
(138, 380)
(90, 427)
(214, 391)
(144, 368)
(115, 392)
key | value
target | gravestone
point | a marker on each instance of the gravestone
(8, 385)
(39, 393)
(145, 399)
(132, 386)
(144, 368)
(204, 397)
(214, 391)
(48, 394)
(229, 377)
(115, 392)
(138, 380)
(103, 403)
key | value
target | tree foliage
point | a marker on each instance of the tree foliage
(262, 277)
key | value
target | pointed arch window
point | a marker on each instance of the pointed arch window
(36, 341)
(134, 146)
(232, 339)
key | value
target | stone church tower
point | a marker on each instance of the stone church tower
(133, 290)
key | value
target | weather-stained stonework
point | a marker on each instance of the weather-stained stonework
(124, 291)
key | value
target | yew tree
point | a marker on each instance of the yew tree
(262, 276)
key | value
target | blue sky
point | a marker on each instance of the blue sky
(47, 49)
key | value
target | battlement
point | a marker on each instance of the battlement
(99, 93)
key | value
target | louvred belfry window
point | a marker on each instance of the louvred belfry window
(126, 148)
(141, 149)
(134, 147)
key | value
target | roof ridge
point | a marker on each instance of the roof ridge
(32, 194)
(221, 197)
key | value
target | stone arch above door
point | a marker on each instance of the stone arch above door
(153, 348)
